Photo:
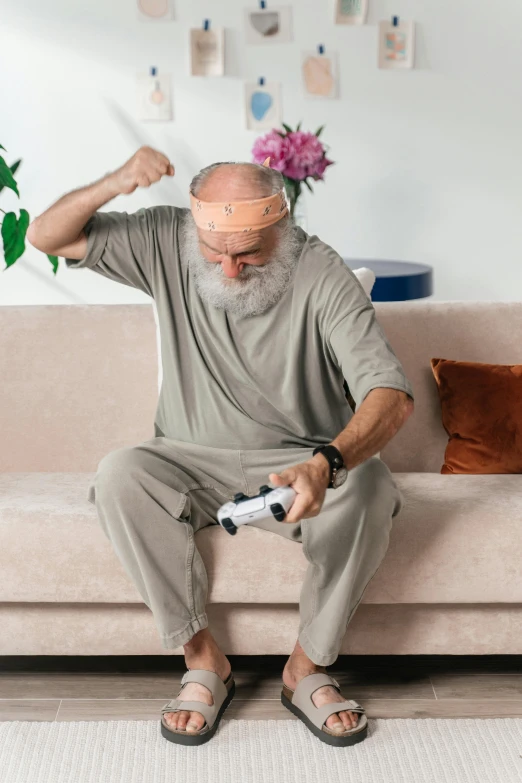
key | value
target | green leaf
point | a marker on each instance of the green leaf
(319, 130)
(13, 235)
(308, 185)
(287, 128)
(54, 262)
(2, 148)
(12, 170)
(299, 126)
(6, 178)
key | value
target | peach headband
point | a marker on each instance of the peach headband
(239, 215)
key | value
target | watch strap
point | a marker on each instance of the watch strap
(334, 457)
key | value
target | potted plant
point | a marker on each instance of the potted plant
(14, 228)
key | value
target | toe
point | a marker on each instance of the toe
(349, 719)
(196, 721)
(171, 719)
(183, 717)
(335, 723)
(342, 721)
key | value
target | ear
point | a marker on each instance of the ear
(267, 163)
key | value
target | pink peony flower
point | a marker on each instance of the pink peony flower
(306, 149)
(296, 154)
(294, 170)
(273, 145)
(320, 168)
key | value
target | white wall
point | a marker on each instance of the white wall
(428, 161)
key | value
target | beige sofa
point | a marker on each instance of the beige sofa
(79, 381)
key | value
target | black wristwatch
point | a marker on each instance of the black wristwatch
(338, 471)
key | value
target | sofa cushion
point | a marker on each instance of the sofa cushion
(481, 406)
(457, 539)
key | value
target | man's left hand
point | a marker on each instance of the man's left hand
(310, 480)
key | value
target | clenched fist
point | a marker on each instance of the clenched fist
(145, 167)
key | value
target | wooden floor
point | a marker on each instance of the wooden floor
(135, 688)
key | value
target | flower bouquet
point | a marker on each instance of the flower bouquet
(299, 155)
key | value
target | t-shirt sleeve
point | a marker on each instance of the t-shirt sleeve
(120, 247)
(359, 345)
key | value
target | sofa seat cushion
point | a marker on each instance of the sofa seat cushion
(458, 539)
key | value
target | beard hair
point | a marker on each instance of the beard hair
(257, 287)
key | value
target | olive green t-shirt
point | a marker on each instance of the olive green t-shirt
(273, 380)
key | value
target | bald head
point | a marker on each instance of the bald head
(236, 182)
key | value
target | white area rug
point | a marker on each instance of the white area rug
(434, 750)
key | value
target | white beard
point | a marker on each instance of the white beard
(257, 287)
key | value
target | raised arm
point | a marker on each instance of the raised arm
(59, 230)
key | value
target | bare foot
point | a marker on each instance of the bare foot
(200, 653)
(297, 667)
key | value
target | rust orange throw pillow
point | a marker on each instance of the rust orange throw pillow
(482, 414)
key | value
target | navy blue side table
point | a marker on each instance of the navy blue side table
(396, 280)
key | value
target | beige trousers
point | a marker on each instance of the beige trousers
(152, 498)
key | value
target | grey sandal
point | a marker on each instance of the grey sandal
(222, 695)
(300, 703)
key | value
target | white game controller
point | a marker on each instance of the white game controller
(243, 509)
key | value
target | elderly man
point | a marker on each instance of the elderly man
(264, 332)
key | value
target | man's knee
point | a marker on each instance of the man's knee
(375, 486)
(119, 468)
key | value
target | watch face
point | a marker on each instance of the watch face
(340, 477)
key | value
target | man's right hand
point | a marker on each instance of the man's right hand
(145, 167)
(59, 230)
